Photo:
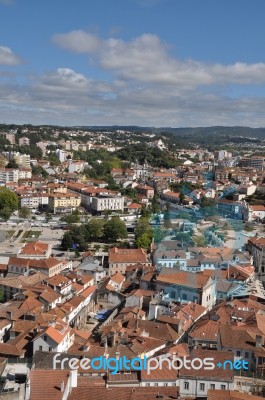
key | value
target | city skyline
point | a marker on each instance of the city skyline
(134, 62)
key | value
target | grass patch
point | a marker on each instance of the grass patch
(248, 228)
(31, 234)
(9, 234)
(26, 234)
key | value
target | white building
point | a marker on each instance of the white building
(107, 202)
(60, 154)
(33, 200)
(187, 286)
(76, 166)
(13, 175)
(195, 383)
(58, 337)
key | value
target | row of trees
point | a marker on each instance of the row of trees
(95, 230)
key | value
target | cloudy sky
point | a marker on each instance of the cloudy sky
(157, 63)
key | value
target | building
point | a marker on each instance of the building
(185, 286)
(171, 197)
(60, 155)
(64, 202)
(255, 162)
(230, 208)
(32, 200)
(119, 259)
(195, 384)
(170, 258)
(145, 190)
(254, 212)
(50, 384)
(93, 267)
(35, 250)
(11, 137)
(76, 166)
(256, 247)
(14, 285)
(58, 337)
(13, 175)
(24, 141)
(103, 202)
(22, 160)
(49, 266)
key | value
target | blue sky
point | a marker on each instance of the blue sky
(145, 62)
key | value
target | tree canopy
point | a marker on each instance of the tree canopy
(8, 203)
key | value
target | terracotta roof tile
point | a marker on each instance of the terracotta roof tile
(35, 248)
(117, 255)
(46, 384)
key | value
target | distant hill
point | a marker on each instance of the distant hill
(243, 131)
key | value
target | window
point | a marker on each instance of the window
(155, 384)
(202, 387)
(222, 387)
(212, 386)
(50, 349)
(246, 354)
(148, 384)
(238, 353)
(184, 297)
(40, 348)
(165, 384)
(186, 385)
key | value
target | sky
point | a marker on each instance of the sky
(158, 63)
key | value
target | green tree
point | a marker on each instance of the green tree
(144, 241)
(143, 226)
(67, 241)
(181, 197)
(74, 237)
(200, 241)
(146, 211)
(8, 203)
(115, 229)
(54, 160)
(24, 212)
(158, 234)
(12, 164)
(38, 170)
(94, 229)
(155, 205)
(73, 218)
(184, 238)
(48, 216)
(167, 224)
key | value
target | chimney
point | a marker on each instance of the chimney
(9, 315)
(73, 378)
(258, 341)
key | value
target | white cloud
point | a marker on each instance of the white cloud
(65, 96)
(146, 86)
(147, 59)
(7, 57)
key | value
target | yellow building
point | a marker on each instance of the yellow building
(64, 202)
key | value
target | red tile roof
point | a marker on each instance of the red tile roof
(35, 248)
(46, 384)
